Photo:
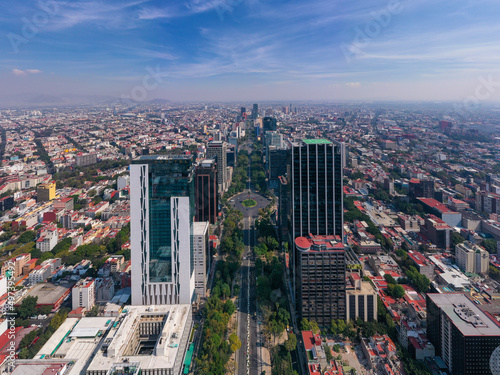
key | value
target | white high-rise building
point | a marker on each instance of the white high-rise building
(202, 259)
(472, 258)
(162, 210)
(83, 294)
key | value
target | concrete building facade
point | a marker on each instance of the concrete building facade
(202, 257)
(472, 258)
(83, 294)
(321, 270)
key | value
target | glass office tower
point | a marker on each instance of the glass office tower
(162, 210)
(316, 193)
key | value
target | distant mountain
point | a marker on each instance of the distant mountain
(35, 99)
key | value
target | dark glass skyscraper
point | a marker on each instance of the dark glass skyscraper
(316, 192)
(269, 124)
(218, 149)
(255, 111)
(316, 169)
(206, 195)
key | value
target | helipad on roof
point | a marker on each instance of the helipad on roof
(316, 141)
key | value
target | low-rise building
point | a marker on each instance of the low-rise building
(409, 223)
(168, 326)
(48, 238)
(39, 274)
(49, 294)
(83, 160)
(378, 349)
(104, 289)
(67, 203)
(423, 265)
(116, 262)
(361, 299)
(15, 265)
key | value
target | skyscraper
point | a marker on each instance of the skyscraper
(316, 176)
(162, 210)
(321, 269)
(316, 192)
(205, 191)
(201, 250)
(269, 124)
(255, 111)
(218, 149)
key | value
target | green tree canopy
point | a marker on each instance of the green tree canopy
(234, 342)
(291, 343)
(26, 237)
(27, 307)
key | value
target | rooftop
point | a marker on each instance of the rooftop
(366, 288)
(319, 243)
(200, 227)
(418, 258)
(167, 346)
(146, 158)
(39, 368)
(465, 315)
(316, 141)
(435, 204)
(48, 293)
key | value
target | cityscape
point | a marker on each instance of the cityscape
(220, 187)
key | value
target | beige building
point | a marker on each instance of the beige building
(361, 299)
(472, 258)
(15, 265)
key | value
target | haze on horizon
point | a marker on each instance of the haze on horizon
(221, 50)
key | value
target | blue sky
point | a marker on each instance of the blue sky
(251, 49)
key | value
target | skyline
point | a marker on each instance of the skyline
(247, 50)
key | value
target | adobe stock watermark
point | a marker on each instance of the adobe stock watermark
(365, 34)
(31, 26)
(10, 314)
(150, 82)
(484, 90)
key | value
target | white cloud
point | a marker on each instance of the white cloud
(18, 72)
(151, 14)
(353, 84)
(21, 73)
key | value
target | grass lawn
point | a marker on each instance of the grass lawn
(249, 203)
